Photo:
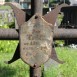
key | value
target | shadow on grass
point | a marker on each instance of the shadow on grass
(7, 72)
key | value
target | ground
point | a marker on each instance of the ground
(20, 69)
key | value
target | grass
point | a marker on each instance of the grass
(69, 68)
(5, 7)
(20, 69)
(16, 69)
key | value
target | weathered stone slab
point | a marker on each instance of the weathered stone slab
(6, 15)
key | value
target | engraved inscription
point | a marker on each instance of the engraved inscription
(34, 40)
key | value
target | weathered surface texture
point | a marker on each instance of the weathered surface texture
(36, 37)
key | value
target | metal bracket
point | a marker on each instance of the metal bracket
(54, 55)
(16, 55)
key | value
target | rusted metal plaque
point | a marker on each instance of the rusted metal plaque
(36, 37)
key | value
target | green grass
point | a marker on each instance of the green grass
(69, 68)
(20, 69)
(5, 7)
(16, 69)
